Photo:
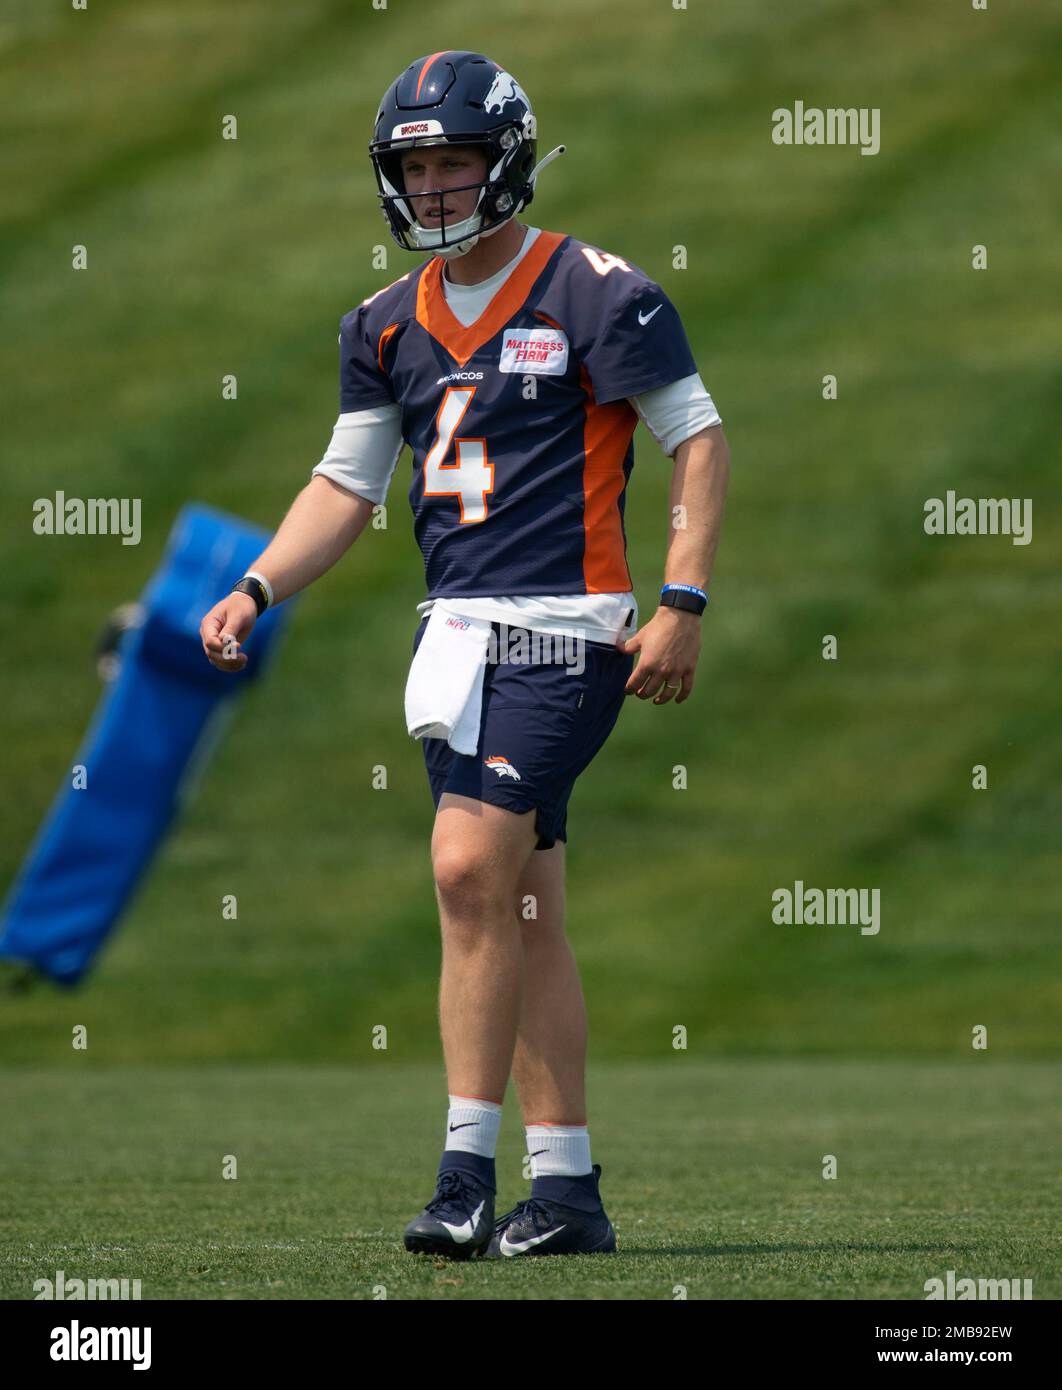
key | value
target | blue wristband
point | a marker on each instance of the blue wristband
(687, 588)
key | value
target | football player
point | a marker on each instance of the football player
(515, 362)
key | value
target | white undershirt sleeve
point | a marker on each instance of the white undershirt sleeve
(673, 413)
(364, 450)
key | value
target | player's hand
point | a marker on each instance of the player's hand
(668, 647)
(225, 627)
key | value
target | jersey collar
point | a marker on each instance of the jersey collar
(437, 318)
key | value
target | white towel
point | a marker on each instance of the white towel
(444, 690)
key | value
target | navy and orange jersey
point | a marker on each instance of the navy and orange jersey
(519, 425)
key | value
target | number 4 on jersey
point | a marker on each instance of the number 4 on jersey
(603, 262)
(471, 477)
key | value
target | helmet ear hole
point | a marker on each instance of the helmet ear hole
(392, 167)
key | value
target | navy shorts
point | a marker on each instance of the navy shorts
(541, 724)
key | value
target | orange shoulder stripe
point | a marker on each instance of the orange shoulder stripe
(383, 343)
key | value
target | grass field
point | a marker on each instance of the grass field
(253, 1036)
(211, 256)
(712, 1175)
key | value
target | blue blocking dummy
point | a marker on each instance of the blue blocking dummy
(152, 733)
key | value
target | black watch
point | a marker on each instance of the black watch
(679, 598)
(255, 589)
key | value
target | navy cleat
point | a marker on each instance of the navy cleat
(458, 1222)
(549, 1224)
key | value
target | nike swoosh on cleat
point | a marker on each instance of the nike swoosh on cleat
(518, 1247)
(465, 1232)
(645, 320)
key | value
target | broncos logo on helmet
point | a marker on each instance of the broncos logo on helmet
(505, 89)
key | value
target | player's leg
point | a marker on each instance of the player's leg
(478, 853)
(540, 727)
(549, 1063)
(564, 1214)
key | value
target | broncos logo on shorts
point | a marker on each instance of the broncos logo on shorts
(502, 766)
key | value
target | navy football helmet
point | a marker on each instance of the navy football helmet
(456, 98)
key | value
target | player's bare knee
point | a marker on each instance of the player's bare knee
(468, 884)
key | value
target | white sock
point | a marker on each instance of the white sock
(561, 1151)
(472, 1125)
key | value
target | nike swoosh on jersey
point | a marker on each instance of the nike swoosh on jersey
(465, 1231)
(645, 320)
(518, 1247)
